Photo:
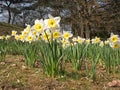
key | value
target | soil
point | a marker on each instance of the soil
(15, 75)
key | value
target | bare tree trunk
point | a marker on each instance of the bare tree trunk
(8, 8)
(24, 19)
(14, 18)
(9, 13)
(87, 31)
(81, 28)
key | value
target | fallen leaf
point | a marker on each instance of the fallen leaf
(13, 65)
(2, 63)
(114, 83)
(24, 67)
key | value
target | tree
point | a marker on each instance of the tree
(87, 18)
(8, 4)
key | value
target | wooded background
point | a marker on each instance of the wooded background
(87, 18)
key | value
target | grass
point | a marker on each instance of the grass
(5, 28)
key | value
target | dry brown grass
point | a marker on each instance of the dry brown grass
(15, 75)
(5, 28)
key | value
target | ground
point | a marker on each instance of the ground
(15, 75)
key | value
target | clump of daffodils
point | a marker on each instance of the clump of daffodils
(46, 30)
(49, 29)
(5, 37)
(114, 41)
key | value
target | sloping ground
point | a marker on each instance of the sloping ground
(5, 29)
(15, 75)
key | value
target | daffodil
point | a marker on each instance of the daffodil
(64, 41)
(96, 40)
(101, 44)
(115, 45)
(14, 33)
(67, 34)
(24, 33)
(39, 25)
(74, 39)
(87, 41)
(52, 22)
(80, 40)
(7, 37)
(114, 38)
(56, 34)
(22, 38)
(29, 38)
(17, 37)
(2, 37)
(28, 28)
(46, 36)
(34, 33)
(106, 42)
